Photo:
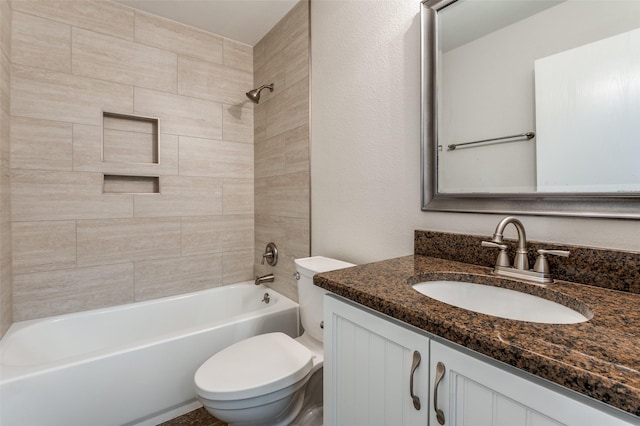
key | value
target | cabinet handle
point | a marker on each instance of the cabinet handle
(440, 370)
(414, 365)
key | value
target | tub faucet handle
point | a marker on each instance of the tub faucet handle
(271, 254)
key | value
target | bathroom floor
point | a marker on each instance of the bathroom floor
(311, 416)
(199, 417)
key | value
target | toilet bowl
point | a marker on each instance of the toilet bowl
(262, 380)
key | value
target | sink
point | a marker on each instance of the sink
(500, 302)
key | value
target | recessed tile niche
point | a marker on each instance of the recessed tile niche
(131, 184)
(132, 140)
(129, 139)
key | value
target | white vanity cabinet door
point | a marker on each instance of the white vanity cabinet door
(475, 393)
(368, 369)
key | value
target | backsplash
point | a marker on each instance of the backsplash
(617, 270)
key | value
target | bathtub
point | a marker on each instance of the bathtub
(131, 364)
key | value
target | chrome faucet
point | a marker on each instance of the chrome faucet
(269, 278)
(520, 269)
(521, 261)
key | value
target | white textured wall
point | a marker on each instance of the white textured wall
(365, 142)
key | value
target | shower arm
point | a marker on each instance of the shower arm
(266, 86)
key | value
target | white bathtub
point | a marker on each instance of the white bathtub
(129, 364)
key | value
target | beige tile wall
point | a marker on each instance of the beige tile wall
(6, 288)
(281, 132)
(75, 247)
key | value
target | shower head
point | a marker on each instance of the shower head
(254, 95)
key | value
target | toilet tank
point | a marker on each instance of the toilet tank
(310, 296)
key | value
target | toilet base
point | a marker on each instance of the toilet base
(309, 416)
(312, 409)
(246, 416)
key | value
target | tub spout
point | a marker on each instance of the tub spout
(269, 278)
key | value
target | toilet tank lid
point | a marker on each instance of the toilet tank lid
(317, 264)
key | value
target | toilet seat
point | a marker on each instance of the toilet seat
(256, 366)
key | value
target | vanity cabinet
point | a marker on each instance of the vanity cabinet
(475, 393)
(369, 369)
(368, 380)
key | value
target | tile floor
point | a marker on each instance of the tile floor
(199, 417)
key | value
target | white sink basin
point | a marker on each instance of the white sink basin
(499, 302)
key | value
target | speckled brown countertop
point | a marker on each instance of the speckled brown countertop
(599, 358)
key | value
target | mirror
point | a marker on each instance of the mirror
(531, 107)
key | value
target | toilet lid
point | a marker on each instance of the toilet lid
(255, 366)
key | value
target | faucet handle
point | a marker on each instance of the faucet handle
(503, 257)
(563, 253)
(270, 254)
(267, 255)
(542, 264)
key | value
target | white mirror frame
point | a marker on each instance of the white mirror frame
(604, 205)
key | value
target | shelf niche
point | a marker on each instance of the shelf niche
(120, 184)
(129, 139)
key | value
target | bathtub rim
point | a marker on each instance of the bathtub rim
(10, 373)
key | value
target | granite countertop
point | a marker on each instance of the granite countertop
(599, 358)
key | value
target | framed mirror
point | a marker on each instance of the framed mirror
(531, 107)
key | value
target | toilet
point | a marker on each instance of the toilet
(262, 380)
